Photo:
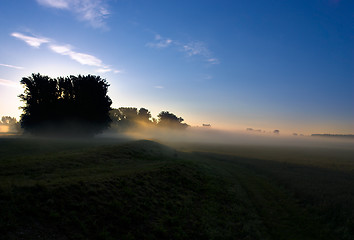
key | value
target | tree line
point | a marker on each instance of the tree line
(74, 105)
(80, 105)
(126, 118)
(11, 124)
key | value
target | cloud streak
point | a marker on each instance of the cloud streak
(104, 70)
(54, 3)
(8, 83)
(213, 61)
(32, 41)
(193, 48)
(92, 11)
(196, 48)
(160, 42)
(11, 66)
(66, 50)
(82, 58)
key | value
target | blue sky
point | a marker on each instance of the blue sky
(268, 65)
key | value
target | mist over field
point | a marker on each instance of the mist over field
(223, 137)
(148, 181)
(176, 184)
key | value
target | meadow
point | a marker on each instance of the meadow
(121, 188)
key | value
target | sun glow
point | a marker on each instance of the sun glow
(4, 129)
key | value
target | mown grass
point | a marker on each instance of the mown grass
(119, 189)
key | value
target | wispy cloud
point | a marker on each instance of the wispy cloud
(93, 11)
(196, 48)
(213, 61)
(83, 58)
(159, 87)
(193, 48)
(8, 83)
(54, 3)
(160, 42)
(32, 41)
(105, 69)
(67, 50)
(11, 66)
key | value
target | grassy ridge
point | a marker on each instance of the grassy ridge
(136, 190)
(144, 190)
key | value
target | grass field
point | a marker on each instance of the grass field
(125, 189)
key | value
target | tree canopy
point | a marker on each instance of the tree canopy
(10, 123)
(74, 105)
(167, 119)
(127, 118)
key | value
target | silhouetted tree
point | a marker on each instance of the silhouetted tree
(125, 118)
(167, 119)
(144, 115)
(11, 123)
(75, 105)
(129, 113)
(154, 121)
(276, 131)
(115, 116)
(7, 120)
(128, 118)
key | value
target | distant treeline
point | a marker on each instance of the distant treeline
(127, 118)
(78, 105)
(10, 123)
(334, 135)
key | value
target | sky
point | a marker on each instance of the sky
(267, 65)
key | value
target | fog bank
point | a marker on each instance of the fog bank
(222, 137)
